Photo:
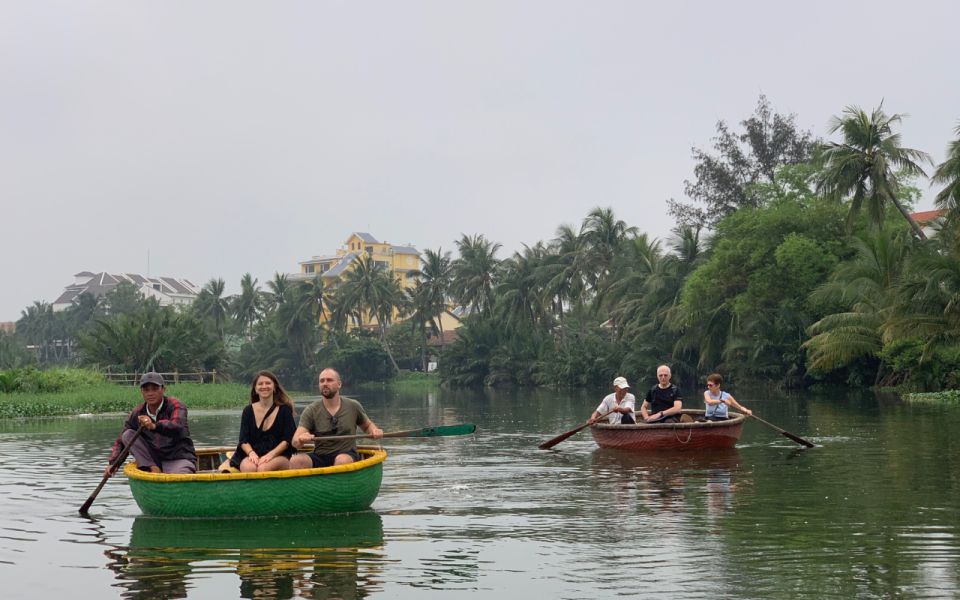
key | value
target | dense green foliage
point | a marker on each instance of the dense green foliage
(790, 267)
(729, 178)
(33, 380)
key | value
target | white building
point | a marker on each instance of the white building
(168, 291)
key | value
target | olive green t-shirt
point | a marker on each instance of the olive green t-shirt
(317, 420)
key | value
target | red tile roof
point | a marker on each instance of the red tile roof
(927, 216)
(449, 336)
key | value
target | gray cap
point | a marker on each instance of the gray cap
(151, 377)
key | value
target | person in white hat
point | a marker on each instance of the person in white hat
(618, 406)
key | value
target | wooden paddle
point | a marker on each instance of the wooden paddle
(441, 430)
(85, 509)
(793, 437)
(554, 441)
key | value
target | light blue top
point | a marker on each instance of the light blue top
(717, 410)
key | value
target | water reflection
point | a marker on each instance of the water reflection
(872, 512)
(673, 482)
(333, 556)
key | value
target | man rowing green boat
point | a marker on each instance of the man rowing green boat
(331, 415)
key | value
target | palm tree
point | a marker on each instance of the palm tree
(866, 290)
(297, 324)
(629, 271)
(929, 306)
(603, 234)
(248, 305)
(948, 175)
(475, 272)
(422, 318)
(36, 326)
(311, 299)
(211, 304)
(279, 288)
(868, 164)
(433, 289)
(520, 298)
(156, 337)
(369, 289)
(564, 270)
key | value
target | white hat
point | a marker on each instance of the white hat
(621, 383)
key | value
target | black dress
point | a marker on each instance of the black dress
(261, 440)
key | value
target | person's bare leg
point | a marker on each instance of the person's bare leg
(301, 461)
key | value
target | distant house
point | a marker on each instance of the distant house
(402, 261)
(8, 326)
(168, 291)
(927, 220)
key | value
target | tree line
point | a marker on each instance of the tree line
(796, 260)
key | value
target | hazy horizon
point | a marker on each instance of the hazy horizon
(225, 138)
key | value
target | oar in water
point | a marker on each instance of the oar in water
(85, 509)
(554, 441)
(439, 431)
(793, 437)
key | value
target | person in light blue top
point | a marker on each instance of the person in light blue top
(718, 400)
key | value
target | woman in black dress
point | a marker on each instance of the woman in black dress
(266, 428)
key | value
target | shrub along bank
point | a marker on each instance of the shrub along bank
(63, 392)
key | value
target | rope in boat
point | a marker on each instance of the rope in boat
(689, 435)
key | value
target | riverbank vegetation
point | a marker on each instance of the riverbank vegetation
(408, 381)
(794, 260)
(64, 392)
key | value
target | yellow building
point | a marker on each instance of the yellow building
(402, 261)
(399, 260)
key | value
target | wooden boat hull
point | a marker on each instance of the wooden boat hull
(671, 436)
(340, 489)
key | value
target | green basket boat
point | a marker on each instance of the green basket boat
(203, 537)
(340, 489)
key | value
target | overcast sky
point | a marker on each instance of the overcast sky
(230, 137)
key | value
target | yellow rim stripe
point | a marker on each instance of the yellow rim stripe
(373, 457)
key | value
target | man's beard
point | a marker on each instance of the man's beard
(328, 393)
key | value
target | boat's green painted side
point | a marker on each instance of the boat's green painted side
(341, 489)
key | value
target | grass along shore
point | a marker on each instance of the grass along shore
(109, 398)
(63, 392)
(952, 396)
(406, 381)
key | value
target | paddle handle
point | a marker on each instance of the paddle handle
(114, 465)
(439, 431)
(323, 438)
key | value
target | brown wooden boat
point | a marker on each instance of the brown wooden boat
(692, 435)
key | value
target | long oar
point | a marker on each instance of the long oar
(554, 441)
(84, 510)
(441, 430)
(793, 437)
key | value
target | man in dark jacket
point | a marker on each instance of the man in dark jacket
(165, 445)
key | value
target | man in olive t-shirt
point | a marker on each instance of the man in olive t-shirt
(331, 415)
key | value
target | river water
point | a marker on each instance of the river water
(872, 512)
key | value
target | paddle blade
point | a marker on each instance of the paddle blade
(797, 439)
(785, 433)
(85, 509)
(553, 442)
(441, 430)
